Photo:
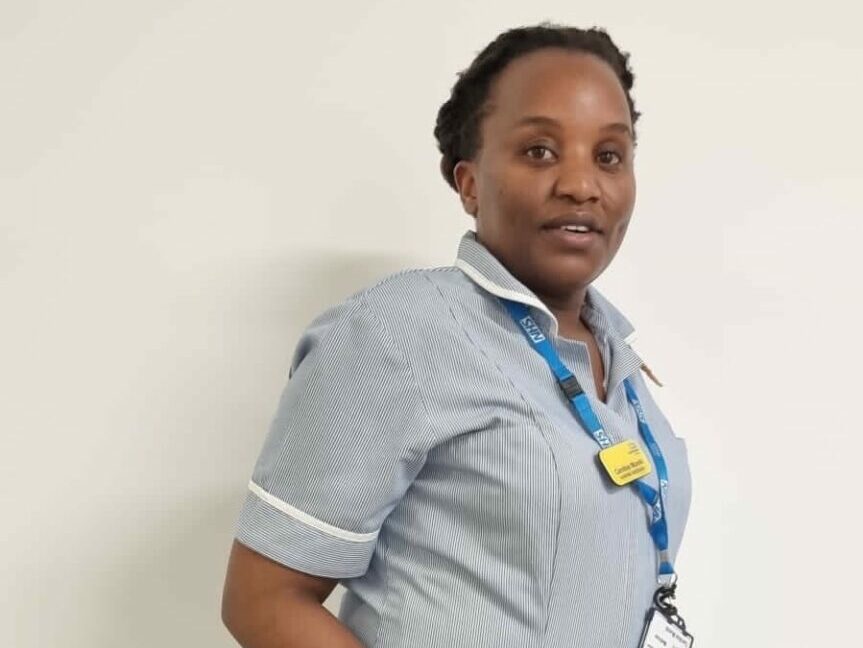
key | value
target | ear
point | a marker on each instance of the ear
(464, 174)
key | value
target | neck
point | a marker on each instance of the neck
(567, 310)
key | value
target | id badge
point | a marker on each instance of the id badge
(625, 462)
(662, 632)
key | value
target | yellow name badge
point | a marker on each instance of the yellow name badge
(625, 462)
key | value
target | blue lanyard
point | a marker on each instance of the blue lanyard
(655, 501)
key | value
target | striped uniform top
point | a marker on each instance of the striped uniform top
(423, 454)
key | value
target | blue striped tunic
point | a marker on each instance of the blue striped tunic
(423, 454)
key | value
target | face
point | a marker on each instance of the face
(556, 155)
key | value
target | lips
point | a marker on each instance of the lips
(575, 220)
(576, 232)
(571, 241)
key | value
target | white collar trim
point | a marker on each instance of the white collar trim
(506, 293)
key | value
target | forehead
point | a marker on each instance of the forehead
(574, 88)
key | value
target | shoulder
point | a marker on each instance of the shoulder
(407, 294)
(411, 289)
(403, 304)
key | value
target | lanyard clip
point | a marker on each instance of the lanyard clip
(663, 600)
(667, 580)
(571, 387)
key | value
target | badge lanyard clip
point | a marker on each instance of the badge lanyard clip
(663, 599)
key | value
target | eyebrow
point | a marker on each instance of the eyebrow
(618, 126)
(541, 120)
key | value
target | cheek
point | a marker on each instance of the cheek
(513, 198)
(621, 232)
(619, 204)
(510, 195)
(524, 190)
(620, 198)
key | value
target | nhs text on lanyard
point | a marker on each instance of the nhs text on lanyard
(626, 464)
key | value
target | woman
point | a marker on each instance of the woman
(423, 452)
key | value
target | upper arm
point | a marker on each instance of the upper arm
(265, 604)
(251, 576)
(349, 436)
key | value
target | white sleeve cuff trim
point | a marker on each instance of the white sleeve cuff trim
(309, 520)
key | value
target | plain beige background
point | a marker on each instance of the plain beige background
(184, 185)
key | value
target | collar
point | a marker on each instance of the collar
(478, 263)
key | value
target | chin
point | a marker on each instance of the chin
(575, 272)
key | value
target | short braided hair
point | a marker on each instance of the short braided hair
(457, 128)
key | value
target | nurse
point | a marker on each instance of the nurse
(473, 450)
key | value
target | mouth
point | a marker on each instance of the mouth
(579, 223)
(574, 233)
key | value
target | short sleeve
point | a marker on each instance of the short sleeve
(349, 436)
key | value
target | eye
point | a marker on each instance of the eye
(538, 152)
(609, 157)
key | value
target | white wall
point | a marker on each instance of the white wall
(183, 186)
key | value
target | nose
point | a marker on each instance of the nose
(577, 179)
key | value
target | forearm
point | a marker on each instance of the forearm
(289, 620)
